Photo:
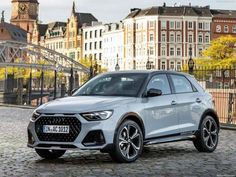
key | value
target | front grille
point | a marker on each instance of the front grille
(73, 122)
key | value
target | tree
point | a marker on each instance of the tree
(221, 53)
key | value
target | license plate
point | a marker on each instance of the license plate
(56, 129)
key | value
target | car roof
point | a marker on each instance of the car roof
(146, 72)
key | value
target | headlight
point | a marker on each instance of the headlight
(99, 115)
(35, 116)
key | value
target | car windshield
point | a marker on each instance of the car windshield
(119, 84)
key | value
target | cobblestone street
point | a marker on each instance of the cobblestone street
(174, 159)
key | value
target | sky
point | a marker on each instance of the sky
(107, 11)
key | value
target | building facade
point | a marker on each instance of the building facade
(24, 14)
(113, 46)
(92, 41)
(223, 23)
(163, 35)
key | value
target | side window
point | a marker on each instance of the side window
(181, 84)
(160, 82)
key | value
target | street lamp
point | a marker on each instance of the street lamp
(190, 61)
(91, 67)
(117, 68)
(149, 64)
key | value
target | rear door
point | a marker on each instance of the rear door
(188, 103)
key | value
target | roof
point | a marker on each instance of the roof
(224, 13)
(171, 11)
(31, 1)
(44, 27)
(16, 32)
(145, 72)
(85, 18)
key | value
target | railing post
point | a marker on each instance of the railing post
(55, 84)
(30, 88)
(71, 80)
(42, 83)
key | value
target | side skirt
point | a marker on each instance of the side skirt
(170, 138)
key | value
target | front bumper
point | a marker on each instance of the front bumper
(93, 135)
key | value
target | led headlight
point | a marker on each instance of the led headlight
(99, 115)
(35, 116)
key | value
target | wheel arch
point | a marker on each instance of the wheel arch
(134, 117)
(212, 113)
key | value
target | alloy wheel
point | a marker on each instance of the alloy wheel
(130, 141)
(210, 133)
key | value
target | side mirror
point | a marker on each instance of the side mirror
(73, 91)
(153, 92)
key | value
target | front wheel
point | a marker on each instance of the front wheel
(50, 154)
(207, 139)
(128, 142)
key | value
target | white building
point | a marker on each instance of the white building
(113, 46)
(92, 41)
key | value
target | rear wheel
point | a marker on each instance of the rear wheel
(128, 142)
(50, 154)
(207, 139)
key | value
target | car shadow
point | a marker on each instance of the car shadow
(97, 157)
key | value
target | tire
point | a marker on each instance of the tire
(207, 138)
(128, 142)
(50, 154)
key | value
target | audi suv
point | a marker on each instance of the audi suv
(120, 112)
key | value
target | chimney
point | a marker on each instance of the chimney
(190, 4)
(164, 4)
(3, 18)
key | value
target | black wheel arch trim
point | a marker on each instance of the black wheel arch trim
(127, 115)
(210, 112)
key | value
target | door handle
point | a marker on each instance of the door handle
(173, 102)
(198, 100)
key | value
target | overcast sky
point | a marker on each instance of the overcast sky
(107, 10)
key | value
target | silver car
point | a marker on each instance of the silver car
(120, 112)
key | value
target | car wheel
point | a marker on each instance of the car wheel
(128, 142)
(207, 138)
(50, 154)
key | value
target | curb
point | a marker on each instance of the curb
(228, 127)
(17, 106)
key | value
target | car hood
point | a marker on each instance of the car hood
(78, 104)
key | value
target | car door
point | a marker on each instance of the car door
(160, 113)
(188, 105)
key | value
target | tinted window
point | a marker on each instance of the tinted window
(113, 85)
(160, 82)
(181, 84)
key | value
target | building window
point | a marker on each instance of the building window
(190, 38)
(151, 37)
(172, 65)
(90, 46)
(163, 24)
(86, 35)
(100, 32)
(91, 34)
(200, 52)
(226, 73)
(163, 38)
(1, 30)
(226, 28)
(200, 26)
(207, 39)
(178, 38)
(178, 25)
(234, 29)
(95, 35)
(95, 45)
(200, 38)
(178, 66)
(172, 25)
(178, 51)
(190, 25)
(163, 51)
(151, 51)
(172, 38)
(163, 65)
(206, 26)
(100, 56)
(172, 51)
(100, 45)
(151, 24)
(218, 28)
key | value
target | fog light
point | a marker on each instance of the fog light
(30, 138)
(94, 138)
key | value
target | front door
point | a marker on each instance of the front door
(160, 112)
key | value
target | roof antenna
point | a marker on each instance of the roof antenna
(3, 18)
